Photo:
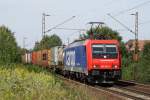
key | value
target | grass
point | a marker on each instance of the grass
(28, 82)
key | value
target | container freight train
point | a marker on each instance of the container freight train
(96, 61)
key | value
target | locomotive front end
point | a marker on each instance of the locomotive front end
(104, 61)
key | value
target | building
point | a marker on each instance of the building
(130, 45)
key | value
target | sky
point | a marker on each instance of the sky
(24, 17)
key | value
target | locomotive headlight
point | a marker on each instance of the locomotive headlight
(96, 67)
(115, 66)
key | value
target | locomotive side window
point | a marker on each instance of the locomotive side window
(106, 51)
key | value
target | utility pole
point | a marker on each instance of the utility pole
(24, 42)
(68, 40)
(136, 37)
(134, 32)
(136, 44)
(43, 24)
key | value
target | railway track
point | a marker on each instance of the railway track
(121, 91)
(128, 94)
(132, 90)
(135, 87)
(96, 91)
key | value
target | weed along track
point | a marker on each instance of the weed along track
(28, 82)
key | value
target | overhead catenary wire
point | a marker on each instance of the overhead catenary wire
(60, 24)
(146, 22)
(72, 34)
(137, 6)
(121, 24)
(71, 29)
(111, 2)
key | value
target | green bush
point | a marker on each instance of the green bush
(143, 71)
(140, 69)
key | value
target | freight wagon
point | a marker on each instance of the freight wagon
(49, 58)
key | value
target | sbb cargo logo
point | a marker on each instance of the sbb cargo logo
(70, 58)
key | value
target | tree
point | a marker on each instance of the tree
(106, 33)
(48, 42)
(37, 46)
(103, 33)
(124, 50)
(8, 46)
(146, 52)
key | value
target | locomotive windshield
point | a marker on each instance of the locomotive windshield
(106, 51)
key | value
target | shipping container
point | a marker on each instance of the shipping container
(60, 55)
(49, 57)
(23, 59)
(57, 55)
(39, 57)
(26, 58)
(44, 58)
(54, 56)
(34, 57)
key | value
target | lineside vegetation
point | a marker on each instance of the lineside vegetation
(20, 82)
(138, 71)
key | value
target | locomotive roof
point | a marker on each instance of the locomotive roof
(84, 42)
(76, 43)
(105, 41)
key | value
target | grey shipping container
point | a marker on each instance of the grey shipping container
(57, 55)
